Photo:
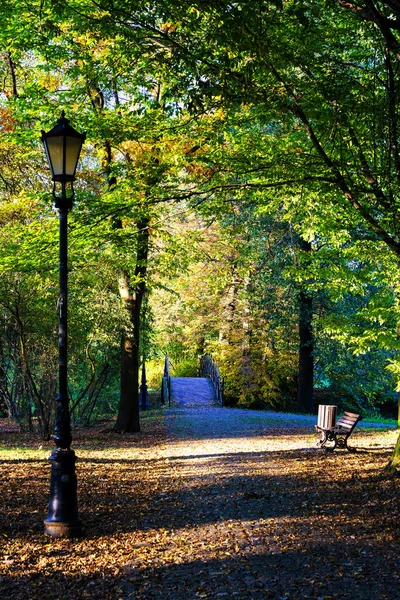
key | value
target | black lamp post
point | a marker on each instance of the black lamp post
(63, 145)
(144, 394)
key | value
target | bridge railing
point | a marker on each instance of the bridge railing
(209, 368)
(166, 383)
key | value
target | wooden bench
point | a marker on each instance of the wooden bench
(340, 433)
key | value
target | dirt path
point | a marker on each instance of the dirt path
(251, 510)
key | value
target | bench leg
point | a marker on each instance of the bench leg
(346, 446)
(341, 442)
(328, 440)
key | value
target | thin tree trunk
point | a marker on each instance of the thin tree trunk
(226, 333)
(3, 381)
(305, 388)
(11, 65)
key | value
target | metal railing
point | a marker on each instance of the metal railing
(166, 383)
(208, 368)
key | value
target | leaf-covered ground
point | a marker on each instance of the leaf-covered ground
(205, 502)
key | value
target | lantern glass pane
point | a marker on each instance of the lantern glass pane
(55, 154)
(73, 147)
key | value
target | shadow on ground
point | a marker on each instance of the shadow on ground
(315, 571)
(186, 501)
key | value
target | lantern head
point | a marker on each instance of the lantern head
(63, 146)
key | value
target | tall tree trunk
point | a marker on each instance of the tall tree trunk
(394, 463)
(131, 294)
(398, 393)
(128, 411)
(398, 409)
(305, 387)
(128, 408)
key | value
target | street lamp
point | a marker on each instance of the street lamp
(144, 394)
(63, 145)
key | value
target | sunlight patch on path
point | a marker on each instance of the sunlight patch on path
(212, 431)
(196, 431)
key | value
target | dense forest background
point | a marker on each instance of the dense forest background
(238, 195)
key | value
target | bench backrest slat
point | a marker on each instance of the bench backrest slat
(348, 421)
(351, 415)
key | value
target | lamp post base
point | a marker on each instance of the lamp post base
(62, 517)
(63, 530)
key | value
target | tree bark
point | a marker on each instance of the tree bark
(128, 414)
(394, 463)
(398, 410)
(128, 410)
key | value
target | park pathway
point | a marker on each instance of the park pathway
(196, 391)
(245, 508)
